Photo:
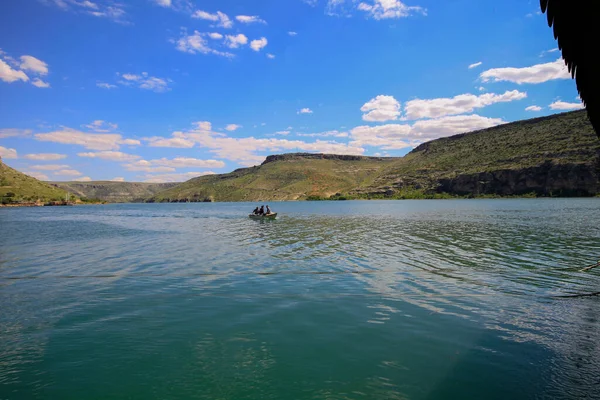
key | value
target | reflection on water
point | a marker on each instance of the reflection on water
(406, 300)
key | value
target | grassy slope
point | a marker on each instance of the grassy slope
(566, 138)
(25, 187)
(281, 180)
(562, 138)
(114, 191)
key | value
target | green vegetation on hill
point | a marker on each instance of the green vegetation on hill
(555, 155)
(559, 151)
(17, 187)
(291, 177)
(114, 192)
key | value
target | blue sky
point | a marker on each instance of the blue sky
(165, 90)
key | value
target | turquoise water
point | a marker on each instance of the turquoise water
(334, 300)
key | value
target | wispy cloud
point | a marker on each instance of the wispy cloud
(562, 105)
(221, 19)
(475, 65)
(533, 108)
(8, 153)
(538, 73)
(91, 141)
(464, 103)
(250, 19)
(145, 81)
(305, 111)
(45, 156)
(99, 8)
(110, 156)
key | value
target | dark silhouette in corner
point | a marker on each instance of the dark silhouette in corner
(576, 29)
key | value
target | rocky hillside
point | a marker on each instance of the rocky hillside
(284, 177)
(557, 155)
(16, 187)
(114, 192)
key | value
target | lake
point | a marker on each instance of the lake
(433, 299)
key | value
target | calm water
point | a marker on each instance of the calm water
(334, 300)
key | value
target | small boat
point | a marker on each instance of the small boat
(267, 216)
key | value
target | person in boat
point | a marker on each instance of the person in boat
(261, 211)
(255, 212)
(269, 210)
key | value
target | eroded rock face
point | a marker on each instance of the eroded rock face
(547, 179)
(311, 156)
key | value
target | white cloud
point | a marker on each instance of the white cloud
(533, 108)
(203, 125)
(49, 167)
(37, 175)
(222, 18)
(463, 103)
(232, 127)
(398, 136)
(12, 132)
(110, 155)
(271, 56)
(325, 134)
(292, 33)
(40, 83)
(305, 111)
(7, 74)
(535, 74)
(389, 136)
(45, 156)
(164, 3)
(144, 81)
(187, 162)
(258, 44)
(29, 63)
(250, 19)
(481, 89)
(101, 126)
(175, 177)
(475, 65)
(110, 10)
(118, 179)
(385, 9)
(177, 141)
(215, 35)
(16, 72)
(244, 150)
(283, 133)
(146, 166)
(130, 142)
(545, 52)
(83, 179)
(92, 141)
(7, 153)
(561, 105)
(197, 44)
(451, 125)
(158, 85)
(381, 108)
(104, 85)
(67, 172)
(235, 41)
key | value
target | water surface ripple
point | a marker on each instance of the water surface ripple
(334, 300)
